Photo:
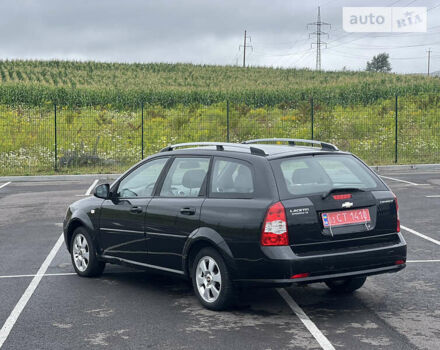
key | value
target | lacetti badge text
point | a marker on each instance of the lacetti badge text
(384, 19)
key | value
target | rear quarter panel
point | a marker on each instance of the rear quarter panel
(239, 221)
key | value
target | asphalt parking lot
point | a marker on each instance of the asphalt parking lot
(44, 305)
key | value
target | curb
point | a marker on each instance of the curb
(42, 178)
(407, 167)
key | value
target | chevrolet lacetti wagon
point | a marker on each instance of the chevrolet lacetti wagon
(265, 212)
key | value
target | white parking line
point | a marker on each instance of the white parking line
(15, 314)
(46, 274)
(6, 184)
(404, 181)
(433, 196)
(420, 235)
(69, 274)
(422, 261)
(92, 186)
(317, 334)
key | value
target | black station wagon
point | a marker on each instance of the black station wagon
(265, 212)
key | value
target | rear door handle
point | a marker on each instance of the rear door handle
(187, 211)
(135, 209)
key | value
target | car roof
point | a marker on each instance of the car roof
(271, 151)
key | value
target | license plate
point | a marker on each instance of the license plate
(346, 217)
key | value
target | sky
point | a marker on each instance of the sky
(208, 32)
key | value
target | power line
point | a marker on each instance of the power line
(433, 7)
(318, 34)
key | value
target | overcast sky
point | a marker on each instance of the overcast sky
(207, 32)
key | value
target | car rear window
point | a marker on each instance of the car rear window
(299, 176)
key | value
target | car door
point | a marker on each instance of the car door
(174, 213)
(122, 220)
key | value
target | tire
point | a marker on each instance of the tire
(213, 278)
(346, 285)
(83, 254)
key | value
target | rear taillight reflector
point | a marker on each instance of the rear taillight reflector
(274, 231)
(342, 196)
(300, 275)
(399, 262)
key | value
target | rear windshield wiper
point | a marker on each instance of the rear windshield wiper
(341, 189)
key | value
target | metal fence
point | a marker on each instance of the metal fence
(101, 139)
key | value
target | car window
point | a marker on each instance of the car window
(321, 173)
(231, 177)
(140, 182)
(185, 177)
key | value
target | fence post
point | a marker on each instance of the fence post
(56, 140)
(142, 130)
(396, 131)
(227, 120)
(312, 115)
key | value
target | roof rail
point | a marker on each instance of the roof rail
(292, 142)
(219, 145)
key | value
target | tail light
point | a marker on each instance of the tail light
(274, 231)
(397, 213)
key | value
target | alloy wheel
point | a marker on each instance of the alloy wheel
(208, 279)
(81, 252)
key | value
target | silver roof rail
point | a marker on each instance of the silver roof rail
(292, 142)
(219, 145)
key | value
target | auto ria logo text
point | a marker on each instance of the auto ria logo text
(384, 19)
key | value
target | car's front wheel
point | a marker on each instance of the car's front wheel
(346, 285)
(83, 253)
(211, 280)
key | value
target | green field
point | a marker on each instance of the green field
(125, 85)
(99, 115)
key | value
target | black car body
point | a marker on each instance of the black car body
(223, 197)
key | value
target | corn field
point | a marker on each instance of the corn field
(120, 86)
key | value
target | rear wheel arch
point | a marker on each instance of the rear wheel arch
(205, 239)
(193, 250)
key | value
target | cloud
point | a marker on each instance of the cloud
(198, 31)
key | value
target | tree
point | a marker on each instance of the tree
(379, 63)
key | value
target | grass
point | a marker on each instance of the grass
(104, 139)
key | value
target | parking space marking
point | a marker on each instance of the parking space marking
(92, 186)
(317, 334)
(46, 274)
(420, 235)
(404, 181)
(19, 307)
(433, 196)
(422, 261)
(5, 184)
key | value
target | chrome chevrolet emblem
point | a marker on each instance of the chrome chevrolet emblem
(347, 205)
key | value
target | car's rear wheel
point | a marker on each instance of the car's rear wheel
(211, 280)
(346, 285)
(83, 254)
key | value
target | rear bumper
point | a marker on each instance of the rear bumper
(281, 263)
(321, 278)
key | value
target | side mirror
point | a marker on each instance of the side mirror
(102, 191)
